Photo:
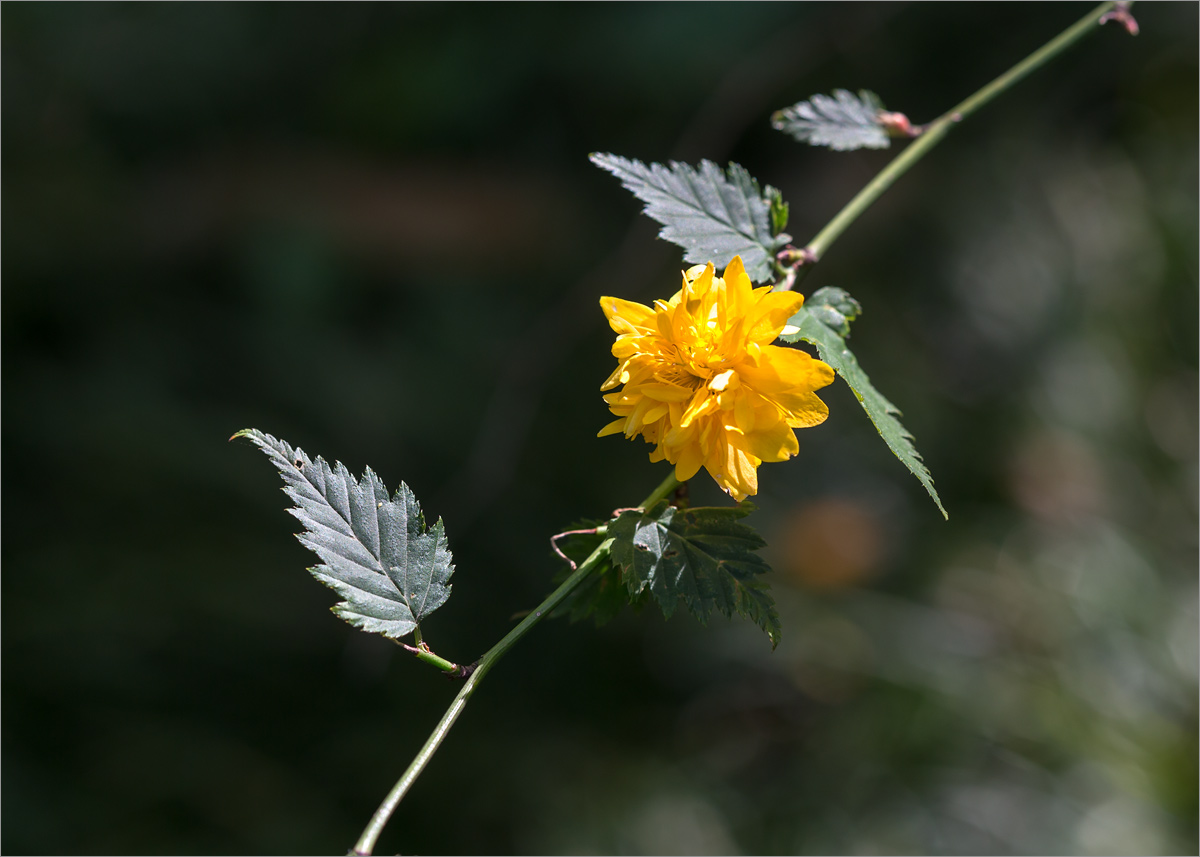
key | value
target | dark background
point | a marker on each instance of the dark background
(373, 230)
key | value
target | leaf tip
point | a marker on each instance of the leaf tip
(246, 432)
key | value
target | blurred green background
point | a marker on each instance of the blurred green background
(372, 230)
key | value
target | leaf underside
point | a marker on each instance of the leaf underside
(375, 550)
(824, 320)
(703, 558)
(843, 123)
(711, 215)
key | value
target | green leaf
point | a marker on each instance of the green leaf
(713, 217)
(824, 320)
(779, 209)
(834, 308)
(375, 551)
(842, 123)
(702, 557)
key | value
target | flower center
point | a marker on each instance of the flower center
(680, 375)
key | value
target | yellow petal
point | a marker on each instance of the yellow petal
(743, 412)
(655, 414)
(619, 376)
(735, 272)
(777, 443)
(747, 471)
(626, 316)
(806, 410)
(615, 427)
(700, 282)
(739, 296)
(665, 392)
(782, 370)
(735, 471)
(679, 437)
(771, 313)
(702, 403)
(691, 459)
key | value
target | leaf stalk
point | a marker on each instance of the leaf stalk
(423, 653)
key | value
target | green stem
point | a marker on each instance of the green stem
(941, 127)
(429, 657)
(667, 486)
(366, 842)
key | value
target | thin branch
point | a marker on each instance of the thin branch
(475, 674)
(939, 128)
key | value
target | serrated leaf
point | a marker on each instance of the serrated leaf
(711, 215)
(834, 308)
(375, 550)
(819, 325)
(703, 558)
(843, 123)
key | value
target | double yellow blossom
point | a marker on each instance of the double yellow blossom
(704, 384)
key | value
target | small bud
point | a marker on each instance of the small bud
(897, 124)
(1122, 16)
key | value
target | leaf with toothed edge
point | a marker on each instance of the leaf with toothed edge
(824, 320)
(711, 214)
(375, 550)
(843, 123)
(702, 557)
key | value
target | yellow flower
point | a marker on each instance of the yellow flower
(703, 382)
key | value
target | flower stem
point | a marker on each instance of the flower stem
(665, 487)
(366, 842)
(940, 127)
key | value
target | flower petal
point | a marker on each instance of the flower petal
(807, 410)
(777, 443)
(626, 316)
(770, 315)
(782, 370)
(615, 427)
(691, 459)
(665, 392)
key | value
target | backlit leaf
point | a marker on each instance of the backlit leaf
(711, 215)
(842, 123)
(375, 550)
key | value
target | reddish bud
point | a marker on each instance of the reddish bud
(1122, 16)
(896, 124)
